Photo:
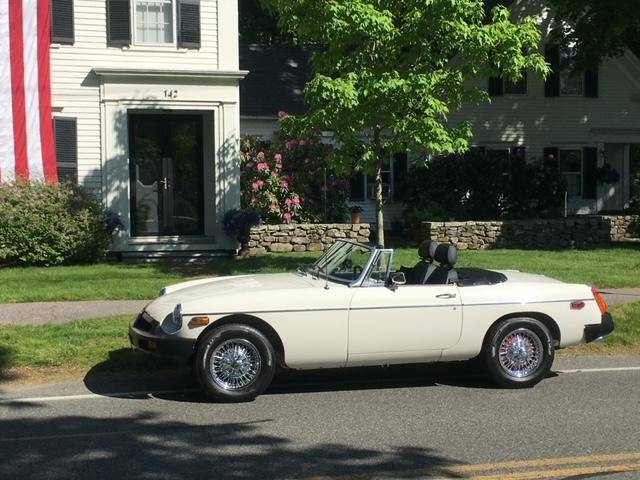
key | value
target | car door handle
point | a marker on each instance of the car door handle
(446, 295)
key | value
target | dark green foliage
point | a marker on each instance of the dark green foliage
(635, 179)
(480, 186)
(43, 224)
(601, 28)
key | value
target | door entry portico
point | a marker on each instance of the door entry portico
(166, 174)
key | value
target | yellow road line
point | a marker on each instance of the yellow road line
(546, 462)
(562, 473)
(573, 466)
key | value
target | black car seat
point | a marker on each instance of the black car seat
(447, 256)
(424, 268)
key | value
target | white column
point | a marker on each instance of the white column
(228, 49)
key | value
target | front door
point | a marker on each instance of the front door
(166, 174)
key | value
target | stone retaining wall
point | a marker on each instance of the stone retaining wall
(302, 237)
(574, 232)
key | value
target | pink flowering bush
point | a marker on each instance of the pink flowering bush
(265, 186)
(285, 181)
(323, 194)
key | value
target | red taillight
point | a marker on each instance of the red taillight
(602, 304)
(577, 305)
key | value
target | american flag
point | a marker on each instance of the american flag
(27, 149)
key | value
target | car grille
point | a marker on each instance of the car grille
(144, 322)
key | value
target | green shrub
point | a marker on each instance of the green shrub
(50, 224)
(482, 186)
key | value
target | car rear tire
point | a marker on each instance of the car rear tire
(234, 363)
(519, 352)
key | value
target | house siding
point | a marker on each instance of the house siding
(76, 91)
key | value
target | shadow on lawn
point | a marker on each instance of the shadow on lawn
(236, 266)
(5, 355)
(145, 445)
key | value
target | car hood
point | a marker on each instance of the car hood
(235, 293)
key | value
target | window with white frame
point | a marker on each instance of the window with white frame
(571, 80)
(571, 170)
(363, 187)
(154, 22)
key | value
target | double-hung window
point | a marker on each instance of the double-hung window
(571, 170)
(154, 22)
(571, 81)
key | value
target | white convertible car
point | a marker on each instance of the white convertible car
(351, 309)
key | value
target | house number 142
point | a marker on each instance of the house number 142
(171, 94)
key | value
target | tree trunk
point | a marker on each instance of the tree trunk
(379, 200)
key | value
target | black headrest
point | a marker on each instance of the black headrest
(446, 255)
(427, 249)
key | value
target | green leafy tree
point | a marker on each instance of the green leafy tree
(389, 72)
(599, 28)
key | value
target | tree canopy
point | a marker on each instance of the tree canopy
(599, 28)
(388, 73)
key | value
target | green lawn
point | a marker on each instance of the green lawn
(102, 345)
(605, 268)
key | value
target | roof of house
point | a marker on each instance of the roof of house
(276, 80)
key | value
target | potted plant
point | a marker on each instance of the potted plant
(356, 214)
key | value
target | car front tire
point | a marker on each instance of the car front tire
(519, 352)
(234, 363)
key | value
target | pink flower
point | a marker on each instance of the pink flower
(274, 174)
(261, 155)
(262, 166)
(296, 201)
(249, 164)
(288, 202)
(257, 185)
(273, 207)
(284, 184)
(278, 166)
(287, 217)
(290, 144)
(301, 143)
(277, 157)
(282, 114)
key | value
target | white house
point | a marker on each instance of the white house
(146, 112)
(584, 120)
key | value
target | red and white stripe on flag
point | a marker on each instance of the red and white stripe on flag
(27, 149)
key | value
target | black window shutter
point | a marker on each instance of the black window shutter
(591, 83)
(118, 23)
(589, 173)
(66, 137)
(62, 22)
(189, 23)
(356, 187)
(496, 87)
(399, 174)
(552, 84)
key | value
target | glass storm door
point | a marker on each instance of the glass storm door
(166, 174)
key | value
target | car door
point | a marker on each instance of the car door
(403, 324)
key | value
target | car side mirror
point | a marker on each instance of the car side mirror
(398, 278)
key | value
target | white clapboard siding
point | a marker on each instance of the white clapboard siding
(74, 87)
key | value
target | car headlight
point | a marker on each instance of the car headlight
(177, 316)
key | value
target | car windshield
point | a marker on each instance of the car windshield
(343, 261)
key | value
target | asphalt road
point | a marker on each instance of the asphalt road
(406, 423)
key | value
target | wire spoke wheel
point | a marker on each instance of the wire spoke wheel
(235, 364)
(521, 353)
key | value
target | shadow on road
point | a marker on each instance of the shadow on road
(108, 378)
(144, 446)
